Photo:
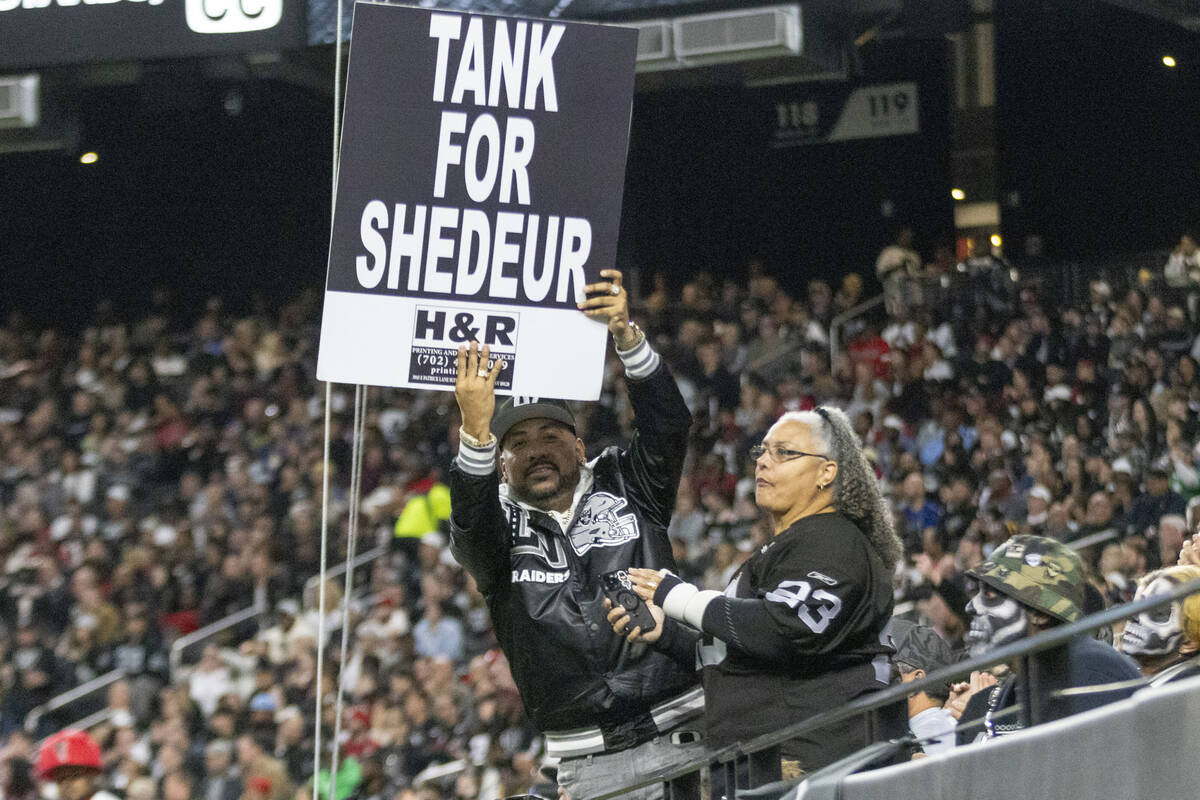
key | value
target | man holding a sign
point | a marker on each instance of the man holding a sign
(479, 191)
(540, 533)
(478, 204)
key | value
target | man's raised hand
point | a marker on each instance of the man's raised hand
(475, 390)
(609, 302)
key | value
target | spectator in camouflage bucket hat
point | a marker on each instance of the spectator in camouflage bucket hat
(1028, 585)
(1025, 574)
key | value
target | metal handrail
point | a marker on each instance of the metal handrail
(1021, 650)
(96, 684)
(1099, 537)
(359, 561)
(238, 617)
(209, 631)
(844, 317)
(88, 722)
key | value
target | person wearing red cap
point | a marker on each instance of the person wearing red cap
(71, 759)
(359, 742)
(257, 788)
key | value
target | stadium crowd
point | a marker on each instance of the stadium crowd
(161, 473)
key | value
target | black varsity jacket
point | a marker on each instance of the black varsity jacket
(542, 584)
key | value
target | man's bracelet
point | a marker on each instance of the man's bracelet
(639, 337)
(468, 439)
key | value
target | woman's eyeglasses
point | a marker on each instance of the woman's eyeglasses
(780, 454)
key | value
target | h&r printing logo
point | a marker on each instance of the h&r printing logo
(233, 16)
(439, 332)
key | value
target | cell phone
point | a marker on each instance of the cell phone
(619, 589)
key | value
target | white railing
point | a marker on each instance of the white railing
(1134, 748)
(97, 684)
(208, 632)
(246, 614)
(340, 569)
(88, 722)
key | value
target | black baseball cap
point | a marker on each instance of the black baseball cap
(518, 409)
(919, 647)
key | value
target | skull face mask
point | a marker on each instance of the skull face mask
(996, 619)
(1159, 631)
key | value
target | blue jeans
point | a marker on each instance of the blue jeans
(585, 777)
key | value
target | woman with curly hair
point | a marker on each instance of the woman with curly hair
(799, 628)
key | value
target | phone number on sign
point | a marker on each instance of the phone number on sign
(443, 360)
(435, 366)
(436, 360)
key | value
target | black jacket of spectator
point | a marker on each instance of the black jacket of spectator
(543, 585)
(139, 655)
(1083, 662)
(1148, 509)
(720, 385)
(223, 787)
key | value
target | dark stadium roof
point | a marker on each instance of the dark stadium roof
(1182, 12)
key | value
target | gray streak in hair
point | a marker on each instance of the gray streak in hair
(856, 492)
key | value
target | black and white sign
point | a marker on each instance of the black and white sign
(838, 113)
(38, 33)
(479, 190)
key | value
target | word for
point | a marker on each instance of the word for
(509, 163)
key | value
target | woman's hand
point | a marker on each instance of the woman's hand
(645, 582)
(619, 618)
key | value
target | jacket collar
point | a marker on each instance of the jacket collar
(564, 518)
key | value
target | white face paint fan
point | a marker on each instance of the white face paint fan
(1156, 632)
(996, 619)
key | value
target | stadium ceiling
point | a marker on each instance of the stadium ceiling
(1185, 13)
(829, 31)
(832, 29)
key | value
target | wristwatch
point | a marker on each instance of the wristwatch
(467, 438)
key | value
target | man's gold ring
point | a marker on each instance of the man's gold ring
(483, 373)
(616, 289)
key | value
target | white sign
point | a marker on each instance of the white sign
(833, 114)
(479, 191)
(889, 110)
